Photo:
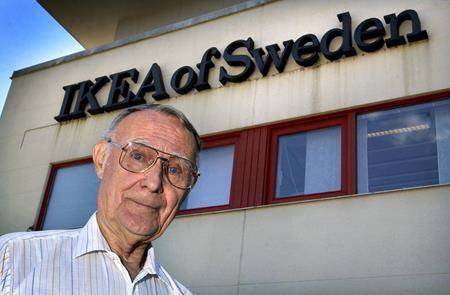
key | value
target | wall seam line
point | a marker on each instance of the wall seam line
(241, 254)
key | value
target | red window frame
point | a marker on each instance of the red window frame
(254, 166)
(233, 138)
(344, 121)
(39, 222)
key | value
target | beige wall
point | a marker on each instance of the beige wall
(30, 139)
(386, 243)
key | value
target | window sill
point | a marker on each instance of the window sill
(373, 194)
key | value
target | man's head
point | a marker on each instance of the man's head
(136, 197)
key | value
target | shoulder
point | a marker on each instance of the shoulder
(45, 234)
(20, 239)
(21, 252)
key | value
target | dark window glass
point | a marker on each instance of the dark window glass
(404, 147)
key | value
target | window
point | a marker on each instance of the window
(72, 198)
(309, 162)
(384, 146)
(404, 147)
(309, 159)
(214, 184)
(216, 187)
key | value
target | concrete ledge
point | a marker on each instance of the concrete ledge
(358, 196)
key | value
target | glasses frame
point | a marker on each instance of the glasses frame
(165, 160)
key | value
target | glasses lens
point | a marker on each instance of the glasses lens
(180, 172)
(138, 157)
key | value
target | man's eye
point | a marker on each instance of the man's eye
(137, 156)
(173, 170)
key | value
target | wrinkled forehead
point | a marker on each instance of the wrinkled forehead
(157, 128)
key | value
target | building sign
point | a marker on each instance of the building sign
(369, 36)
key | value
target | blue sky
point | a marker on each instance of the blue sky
(28, 36)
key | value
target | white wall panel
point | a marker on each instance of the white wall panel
(205, 251)
(387, 243)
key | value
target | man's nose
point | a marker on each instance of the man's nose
(154, 176)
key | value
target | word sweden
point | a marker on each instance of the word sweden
(368, 36)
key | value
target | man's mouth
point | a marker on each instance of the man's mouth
(152, 204)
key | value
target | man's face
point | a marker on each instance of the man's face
(142, 204)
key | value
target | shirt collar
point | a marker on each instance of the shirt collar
(151, 267)
(150, 263)
(90, 239)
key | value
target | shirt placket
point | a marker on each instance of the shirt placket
(124, 272)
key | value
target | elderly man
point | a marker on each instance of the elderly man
(147, 165)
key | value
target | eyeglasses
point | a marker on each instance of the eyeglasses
(139, 158)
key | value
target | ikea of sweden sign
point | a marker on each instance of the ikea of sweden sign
(369, 36)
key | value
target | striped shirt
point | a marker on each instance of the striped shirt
(75, 262)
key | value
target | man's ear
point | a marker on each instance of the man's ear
(99, 157)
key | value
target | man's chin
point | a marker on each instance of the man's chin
(140, 226)
(144, 233)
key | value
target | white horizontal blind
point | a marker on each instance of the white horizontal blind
(404, 147)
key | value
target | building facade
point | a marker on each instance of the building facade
(326, 129)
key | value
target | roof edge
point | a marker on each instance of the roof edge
(63, 26)
(144, 35)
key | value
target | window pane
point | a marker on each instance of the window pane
(309, 162)
(404, 147)
(214, 184)
(73, 198)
